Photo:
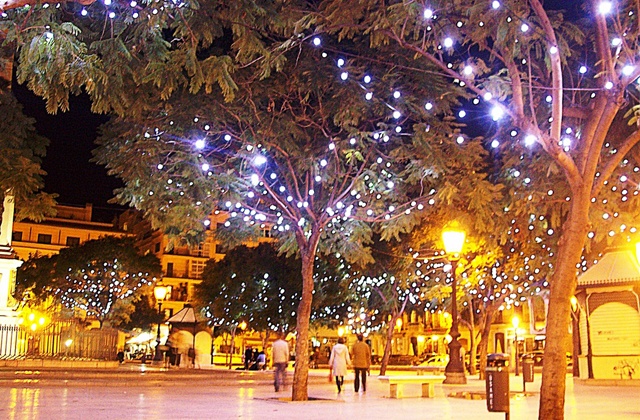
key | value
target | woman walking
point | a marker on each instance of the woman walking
(339, 362)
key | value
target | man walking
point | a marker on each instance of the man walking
(361, 362)
(280, 356)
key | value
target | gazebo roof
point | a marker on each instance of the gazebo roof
(186, 315)
(615, 267)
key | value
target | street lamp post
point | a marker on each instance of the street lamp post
(454, 372)
(515, 321)
(160, 292)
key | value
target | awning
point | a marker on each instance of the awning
(615, 267)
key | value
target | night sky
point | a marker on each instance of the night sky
(72, 135)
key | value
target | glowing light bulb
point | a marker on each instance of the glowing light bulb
(448, 42)
(605, 7)
(497, 112)
(530, 140)
(200, 144)
(583, 69)
(495, 4)
(628, 70)
(317, 41)
(524, 27)
(428, 13)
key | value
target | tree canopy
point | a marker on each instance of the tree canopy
(261, 287)
(101, 277)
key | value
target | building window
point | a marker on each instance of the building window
(16, 236)
(170, 269)
(43, 238)
(157, 248)
(73, 241)
(266, 232)
(220, 249)
(197, 266)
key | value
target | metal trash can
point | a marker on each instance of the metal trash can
(497, 381)
(527, 367)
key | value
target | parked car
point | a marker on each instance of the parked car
(437, 360)
(538, 357)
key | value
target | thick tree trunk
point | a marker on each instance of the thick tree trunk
(562, 287)
(387, 345)
(301, 374)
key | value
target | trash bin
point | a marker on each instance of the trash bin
(497, 381)
(527, 368)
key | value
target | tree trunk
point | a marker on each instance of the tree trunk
(471, 326)
(562, 287)
(485, 333)
(387, 345)
(301, 374)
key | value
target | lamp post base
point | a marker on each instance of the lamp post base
(455, 378)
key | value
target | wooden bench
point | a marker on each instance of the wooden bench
(428, 369)
(396, 384)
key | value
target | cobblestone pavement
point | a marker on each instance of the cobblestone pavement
(130, 393)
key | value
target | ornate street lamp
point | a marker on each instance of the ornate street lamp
(454, 372)
(160, 292)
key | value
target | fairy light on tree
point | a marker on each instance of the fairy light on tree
(100, 278)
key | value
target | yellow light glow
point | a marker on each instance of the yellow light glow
(574, 303)
(33, 327)
(41, 321)
(421, 339)
(515, 321)
(399, 322)
(638, 251)
(68, 342)
(340, 331)
(453, 240)
(160, 292)
(434, 338)
(32, 316)
(243, 325)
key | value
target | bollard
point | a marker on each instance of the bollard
(527, 370)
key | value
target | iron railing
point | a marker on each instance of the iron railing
(60, 339)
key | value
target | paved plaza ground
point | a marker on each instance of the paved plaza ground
(130, 392)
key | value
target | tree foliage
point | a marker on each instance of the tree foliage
(20, 170)
(100, 277)
(262, 288)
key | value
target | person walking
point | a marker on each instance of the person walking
(361, 362)
(280, 356)
(339, 361)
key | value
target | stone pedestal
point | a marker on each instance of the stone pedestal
(8, 266)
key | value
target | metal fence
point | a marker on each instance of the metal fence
(60, 339)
